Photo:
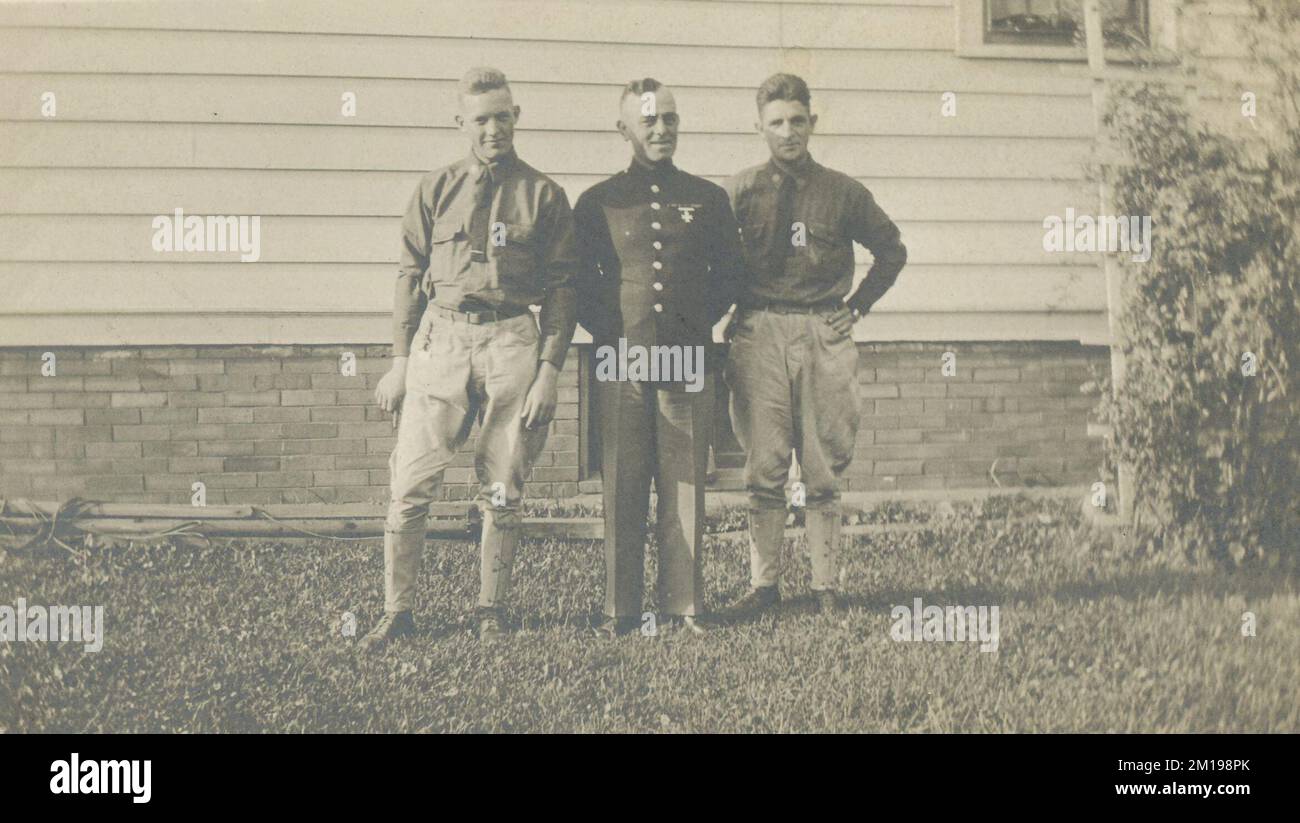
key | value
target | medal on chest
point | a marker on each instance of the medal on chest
(687, 211)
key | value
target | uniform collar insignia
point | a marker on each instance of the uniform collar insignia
(498, 167)
(799, 171)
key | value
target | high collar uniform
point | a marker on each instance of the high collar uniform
(661, 258)
(660, 264)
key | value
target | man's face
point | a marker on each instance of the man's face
(786, 125)
(649, 122)
(488, 120)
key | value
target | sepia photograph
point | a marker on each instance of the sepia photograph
(650, 367)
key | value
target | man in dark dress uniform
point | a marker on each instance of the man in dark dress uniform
(661, 264)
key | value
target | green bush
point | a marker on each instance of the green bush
(1213, 449)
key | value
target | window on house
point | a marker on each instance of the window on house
(1060, 22)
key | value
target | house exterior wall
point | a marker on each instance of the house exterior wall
(180, 365)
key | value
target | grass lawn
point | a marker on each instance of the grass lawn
(245, 636)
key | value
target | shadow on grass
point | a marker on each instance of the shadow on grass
(580, 623)
(1252, 583)
(1156, 582)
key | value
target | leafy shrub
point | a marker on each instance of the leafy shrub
(1213, 448)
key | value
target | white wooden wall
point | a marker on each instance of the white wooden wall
(233, 107)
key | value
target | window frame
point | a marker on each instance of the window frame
(970, 37)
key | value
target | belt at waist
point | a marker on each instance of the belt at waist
(476, 317)
(791, 308)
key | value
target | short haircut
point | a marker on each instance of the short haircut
(482, 79)
(636, 88)
(784, 87)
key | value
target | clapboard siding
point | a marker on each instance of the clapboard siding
(86, 287)
(233, 108)
(381, 193)
(242, 146)
(370, 239)
(426, 56)
(551, 107)
(660, 22)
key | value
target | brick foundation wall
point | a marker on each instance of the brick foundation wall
(1017, 403)
(281, 424)
(264, 424)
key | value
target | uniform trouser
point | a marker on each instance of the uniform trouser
(456, 372)
(661, 434)
(793, 385)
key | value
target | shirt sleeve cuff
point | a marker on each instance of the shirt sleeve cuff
(859, 303)
(554, 351)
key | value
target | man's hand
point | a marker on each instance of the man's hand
(539, 405)
(392, 387)
(729, 330)
(842, 321)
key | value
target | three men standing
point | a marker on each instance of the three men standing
(661, 264)
(792, 365)
(482, 240)
(656, 261)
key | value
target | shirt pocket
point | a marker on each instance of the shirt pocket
(756, 240)
(516, 259)
(445, 263)
(827, 245)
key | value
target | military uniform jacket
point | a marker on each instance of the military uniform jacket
(534, 265)
(836, 210)
(660, 259)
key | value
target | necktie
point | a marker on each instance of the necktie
(480, 218)
(782, 230)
